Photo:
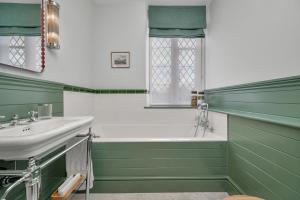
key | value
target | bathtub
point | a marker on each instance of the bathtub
(154, 133)
(158, 158)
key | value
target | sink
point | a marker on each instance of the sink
(36, 139)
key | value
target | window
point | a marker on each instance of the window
(175, 70)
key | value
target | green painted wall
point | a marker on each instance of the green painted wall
(18, 95)
(264, 136)
(159, 166)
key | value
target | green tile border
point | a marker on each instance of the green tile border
(78, 89)
(121, 91)
(23, 81)
(104, 91)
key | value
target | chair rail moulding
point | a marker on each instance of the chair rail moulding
(275, 101)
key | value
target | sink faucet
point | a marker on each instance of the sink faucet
(33, 116)
(2, 117)
(15, 120)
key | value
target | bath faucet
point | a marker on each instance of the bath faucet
(2, 117)
(15, 120)
(203, 106)
(202, 118)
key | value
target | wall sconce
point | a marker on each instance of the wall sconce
(53, 25)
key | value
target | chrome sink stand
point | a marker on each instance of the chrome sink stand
(32, 175)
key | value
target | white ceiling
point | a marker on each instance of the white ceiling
(156, 2)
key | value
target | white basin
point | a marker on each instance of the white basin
(35, 139)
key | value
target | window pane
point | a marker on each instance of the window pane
(175, 69)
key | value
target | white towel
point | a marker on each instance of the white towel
(68, 184)
(76, 161)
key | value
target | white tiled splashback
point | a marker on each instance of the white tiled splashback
(78, 104)
(129, 109)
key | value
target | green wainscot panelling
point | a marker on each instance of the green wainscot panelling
(165, 166)
(276, 101)
(19, 95)
(264, 158)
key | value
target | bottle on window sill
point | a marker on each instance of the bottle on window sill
(201, 98)
(194, 99)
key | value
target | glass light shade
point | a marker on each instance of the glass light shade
(53, 25)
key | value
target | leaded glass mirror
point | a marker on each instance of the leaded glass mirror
(22, 34)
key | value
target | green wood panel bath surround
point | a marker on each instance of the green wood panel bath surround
(18, 95)
(159, 166)
(264, 136)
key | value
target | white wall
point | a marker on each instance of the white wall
(78, 104)
(72, 63)
(120, 27)
(252, 40)
(128, 109)
(124, 109)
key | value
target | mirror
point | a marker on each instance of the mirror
(22, 40)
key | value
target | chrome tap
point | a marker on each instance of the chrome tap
(202, 118)
(2, 117)
(15, 120)
(33, 116)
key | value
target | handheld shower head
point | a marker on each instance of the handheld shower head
(203, 106)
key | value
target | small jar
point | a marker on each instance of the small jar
(194, 99)
(201, 98)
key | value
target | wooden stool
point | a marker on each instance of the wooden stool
(242, 197)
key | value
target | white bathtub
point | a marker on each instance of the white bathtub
(153, 133)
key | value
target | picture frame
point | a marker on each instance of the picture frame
(120, 59)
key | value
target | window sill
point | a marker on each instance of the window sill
(169, 107)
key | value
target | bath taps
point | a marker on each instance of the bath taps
(202, 118)
(2, 117)
(203, 106)
(15, 120)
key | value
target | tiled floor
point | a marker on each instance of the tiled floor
(157, 196)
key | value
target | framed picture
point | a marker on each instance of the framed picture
(120, 59)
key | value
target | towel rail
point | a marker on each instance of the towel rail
(57, 156)
(15, 184)
(31, 176)
(12, 172)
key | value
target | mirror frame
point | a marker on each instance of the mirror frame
(43, 36)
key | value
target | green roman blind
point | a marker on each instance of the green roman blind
(177, 21)
(20, 19)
